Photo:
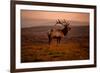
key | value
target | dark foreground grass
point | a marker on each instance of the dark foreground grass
(72, 50)
(35, 48)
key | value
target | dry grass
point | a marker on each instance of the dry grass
(36, 49)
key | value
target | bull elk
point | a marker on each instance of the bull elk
(59, 33)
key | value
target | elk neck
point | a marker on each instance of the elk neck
(65, 30)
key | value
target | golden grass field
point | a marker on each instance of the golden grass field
(35, 47)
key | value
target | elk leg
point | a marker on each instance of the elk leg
(59, 40)
(49, 39)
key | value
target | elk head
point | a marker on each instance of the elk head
(64, 23)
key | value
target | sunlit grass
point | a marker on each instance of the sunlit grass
(45, 52)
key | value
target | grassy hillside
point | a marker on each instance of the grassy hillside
(35, 48)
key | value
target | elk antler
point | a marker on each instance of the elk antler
(59, 21)
(63, 22)
(67, 23)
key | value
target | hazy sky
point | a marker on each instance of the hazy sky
(31, 18)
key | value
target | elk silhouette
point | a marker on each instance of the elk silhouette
(59, 33)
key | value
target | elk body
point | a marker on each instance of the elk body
(59, 33)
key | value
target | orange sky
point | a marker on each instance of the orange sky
(29, 16)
